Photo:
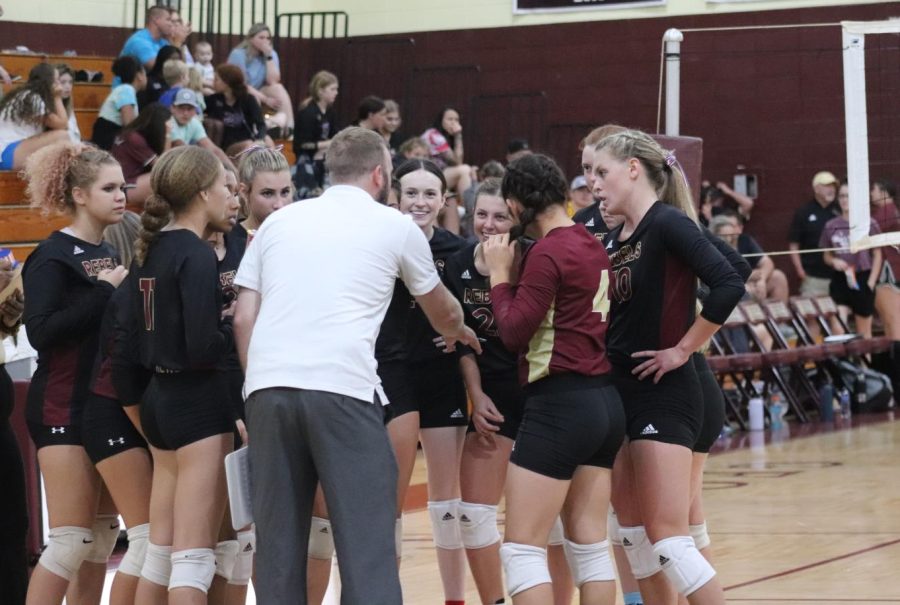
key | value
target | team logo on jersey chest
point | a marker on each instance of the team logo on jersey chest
(625, 255)
(477, 296)
(94, 266)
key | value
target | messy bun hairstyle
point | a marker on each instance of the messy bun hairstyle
(536, 182)
(178, 176)
(52, 172)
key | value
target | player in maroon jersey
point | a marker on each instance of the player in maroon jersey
(573, 423)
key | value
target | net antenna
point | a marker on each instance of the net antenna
(856, 119)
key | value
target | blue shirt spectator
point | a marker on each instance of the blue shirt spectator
(254, 69)
(143, 47)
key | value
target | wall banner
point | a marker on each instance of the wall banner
(557, 6)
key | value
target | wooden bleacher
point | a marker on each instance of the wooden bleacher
(22, 227)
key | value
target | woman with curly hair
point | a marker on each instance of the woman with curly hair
(29, 111)
(68, 281)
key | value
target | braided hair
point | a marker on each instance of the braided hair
(536, 182)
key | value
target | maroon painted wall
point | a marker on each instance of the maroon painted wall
(769, 100)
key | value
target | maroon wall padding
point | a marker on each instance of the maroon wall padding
(688, 152)
(32, 474)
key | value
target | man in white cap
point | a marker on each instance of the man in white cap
(579, 194)
(806, 228)
(187, 129)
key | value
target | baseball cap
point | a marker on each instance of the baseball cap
(578, 182)
(186, 96)
(825, 178)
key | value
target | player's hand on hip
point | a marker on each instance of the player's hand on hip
(659, 363)
(485, 415)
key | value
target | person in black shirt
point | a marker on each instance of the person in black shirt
(806, 229)
(436, 403)
(657, 254)
(68, 280)
(591, 216)
(316, 123)
(156, 84)
(236, 109)
(184, 336)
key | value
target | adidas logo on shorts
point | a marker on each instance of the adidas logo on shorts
(466, 275)
(649, 430)
(457, 414)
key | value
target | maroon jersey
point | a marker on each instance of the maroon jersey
(556, 316)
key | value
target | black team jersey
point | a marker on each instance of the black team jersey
(64, 306)
(419, 333)
(473, 290)
(102, 382)
(590, 217)
(235, 246)
(180, 305)
(654, 285)
(391, 343)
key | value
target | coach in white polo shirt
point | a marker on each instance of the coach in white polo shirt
(315, 285)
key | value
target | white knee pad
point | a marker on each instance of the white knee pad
(683, 564)
(243, 564)
(226, 553)
(613, 530)
(525, 567)
(445, 523)
(589, 562)
(67, 548)
(106, 532)
(700, 535)
(398, 537)
(133, 561)
(321, 540)
(639, 551)
(557, 534)
(478, 525)
(157, 564)
(193, 568)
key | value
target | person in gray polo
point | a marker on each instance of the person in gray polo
(315, 285)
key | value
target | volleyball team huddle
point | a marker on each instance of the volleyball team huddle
(577, 387)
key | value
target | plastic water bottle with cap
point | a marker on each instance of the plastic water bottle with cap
(755, 409)
(845, 403)
(826, 402)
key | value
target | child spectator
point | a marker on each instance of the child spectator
(121, 106)
(66, 83)
(175, 75)
(138, 146)
(203, 56)
(316, 125)
(195, 83)
(391, 129)
(187, 129)
(414, 148)
(27, 112)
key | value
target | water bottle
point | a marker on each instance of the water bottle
(845, 403)
(755, 408)
(777, 410)
(826, 402)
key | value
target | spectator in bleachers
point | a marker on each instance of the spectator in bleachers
(853, 274)
(32, 116)
(516, 148)
(414, 148)
(316, 125)
(887, 293)
(187, 129)
(156, 82)
(195, 83)
(445, 146)
(121, 106)
(806, 230)
(138, 146)
(262, 70)
(66, 84)
(716, 199)
(181, 30)
(145, 44)
(391, 129)
(765, 282)
(203, 63)
(176, 76)
(580, 195)
(371, 113)
(237, 110)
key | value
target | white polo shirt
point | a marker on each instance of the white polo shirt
(325, 269)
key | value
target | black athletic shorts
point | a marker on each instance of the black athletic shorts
(106, 429)
(713, 405)
(184, 407)
(570, 420)
(130, 381)
(433, 388)
(44, 435)
(861, 301)
(509, 399)
(670, 411)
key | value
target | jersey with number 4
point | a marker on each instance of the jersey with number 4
(556, 316)
(180, 304)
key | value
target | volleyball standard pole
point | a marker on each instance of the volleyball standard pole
(673, 39)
